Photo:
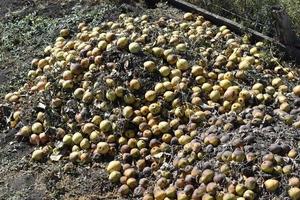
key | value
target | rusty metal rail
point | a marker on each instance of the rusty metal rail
(232, 25)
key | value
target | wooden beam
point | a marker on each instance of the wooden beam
(218, 20)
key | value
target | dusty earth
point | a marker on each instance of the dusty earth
(26, 28)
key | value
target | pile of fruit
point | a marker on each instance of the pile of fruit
(181, 108)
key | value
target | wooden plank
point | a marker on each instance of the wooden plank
(219, 20)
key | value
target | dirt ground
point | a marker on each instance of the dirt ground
(26, 28)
